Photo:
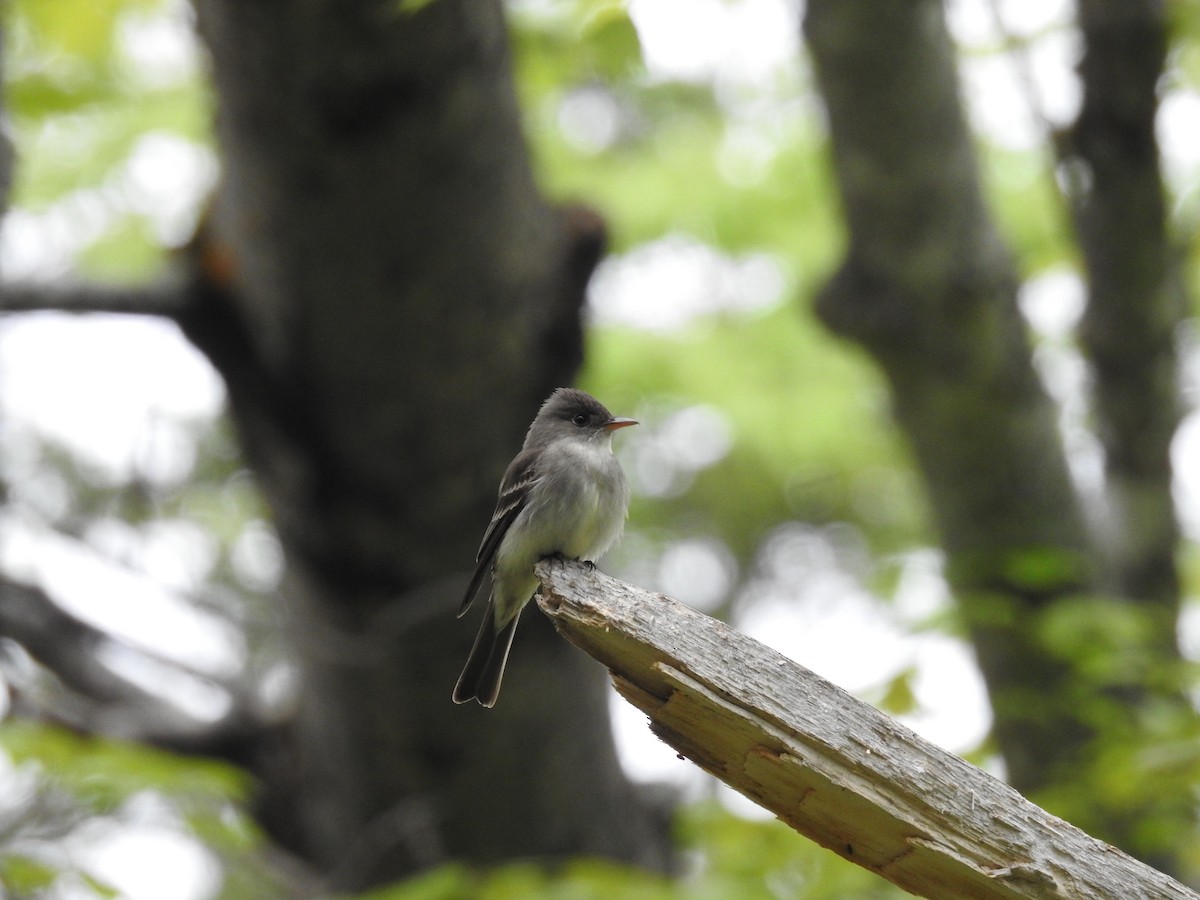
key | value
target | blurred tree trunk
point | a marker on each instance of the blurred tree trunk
(1136, 302)
(389, 299)
(928, 288)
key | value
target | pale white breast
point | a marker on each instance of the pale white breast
(579, 507)
(576, 508)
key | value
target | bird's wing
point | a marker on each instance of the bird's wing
(514, 493)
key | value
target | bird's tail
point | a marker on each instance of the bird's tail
(480, 678)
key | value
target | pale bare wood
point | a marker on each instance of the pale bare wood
(832, 767)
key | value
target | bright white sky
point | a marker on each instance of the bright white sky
(132, 388)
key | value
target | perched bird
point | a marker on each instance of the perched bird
(564, 494)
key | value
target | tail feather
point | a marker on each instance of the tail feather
(480, 678)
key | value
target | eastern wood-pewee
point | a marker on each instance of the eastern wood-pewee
(564, 493)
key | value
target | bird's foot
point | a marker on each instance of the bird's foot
(562, 557)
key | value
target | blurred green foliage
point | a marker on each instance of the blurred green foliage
(726, 858)
(809, 422)
(86, 82)
(102, 773)
(66, 781)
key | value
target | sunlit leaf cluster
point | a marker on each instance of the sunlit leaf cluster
(102, 95)
(726, 857)
(73, 794)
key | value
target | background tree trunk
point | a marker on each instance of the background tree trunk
(928, 289)
(1136, 301)
(389, 300)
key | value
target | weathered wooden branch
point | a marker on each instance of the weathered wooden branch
(832, 767)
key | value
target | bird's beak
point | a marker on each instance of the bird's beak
(619, 422)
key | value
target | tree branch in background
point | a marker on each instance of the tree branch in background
(167, 297)
(104, 702)
(830, 766)
(64, 644)
(93, 699)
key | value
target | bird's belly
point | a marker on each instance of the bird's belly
(592, 524)
(580, 522)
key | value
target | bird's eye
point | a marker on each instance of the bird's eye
(580, 420)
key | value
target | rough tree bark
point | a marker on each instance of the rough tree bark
(928, 289)
(389, 298)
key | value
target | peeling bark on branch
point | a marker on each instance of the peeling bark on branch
(830, 766)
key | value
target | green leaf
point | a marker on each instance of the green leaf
(747, 858)
(450, 882)
(103, 772)
(123, 253)
(410, 7)
(23, 876)
(610, 40)
(899, 698)
(1043, 568)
